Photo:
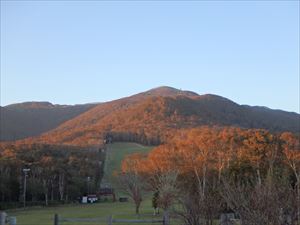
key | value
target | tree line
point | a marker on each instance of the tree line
(137, 137)
(203, 172)
(57, 174)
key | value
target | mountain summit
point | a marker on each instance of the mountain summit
(168, 91)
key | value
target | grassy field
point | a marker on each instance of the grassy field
(44, 216)
(115, 154)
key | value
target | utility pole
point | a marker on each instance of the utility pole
(25, 171)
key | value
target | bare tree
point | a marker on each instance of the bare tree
(197, 209)
(190, 210)
(131, 180)
(133, 185)
(292, 154)
(262, 203)
(61, 185)
(167, 188)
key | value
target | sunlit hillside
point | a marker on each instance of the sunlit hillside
(152, 117)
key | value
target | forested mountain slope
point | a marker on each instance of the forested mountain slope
(151, 117)
(29, 119)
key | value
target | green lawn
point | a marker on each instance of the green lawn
(44, 216)
(115, 154)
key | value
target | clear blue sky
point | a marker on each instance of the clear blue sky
(78, 52)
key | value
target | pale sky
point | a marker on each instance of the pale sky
(73, 52)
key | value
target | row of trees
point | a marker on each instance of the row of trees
(57, 173)
(203, 172)
(136, 137)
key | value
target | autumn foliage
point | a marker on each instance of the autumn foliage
(228, 168)
(154, 116)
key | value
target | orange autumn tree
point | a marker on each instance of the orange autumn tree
(191, 153)
(205, 159)
(260, 149)
(291, 149)
(131, 180)
(195, 151)
(210, 151)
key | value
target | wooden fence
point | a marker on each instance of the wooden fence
(110, 220)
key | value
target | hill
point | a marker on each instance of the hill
(33, 118)
(151, 117)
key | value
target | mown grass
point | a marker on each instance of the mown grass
(44, 215)
(116, 152)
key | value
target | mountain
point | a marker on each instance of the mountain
(165, 91)
(33, 118)
(153, 116)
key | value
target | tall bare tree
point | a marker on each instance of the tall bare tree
(133, 185)
(167, 187)
(131, 181)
